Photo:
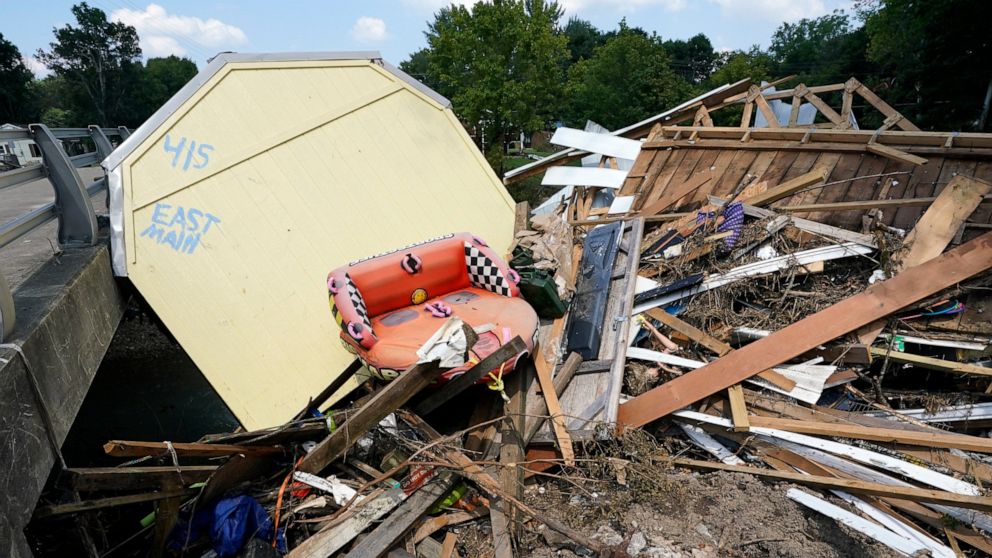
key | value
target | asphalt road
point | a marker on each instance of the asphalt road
(26, 254)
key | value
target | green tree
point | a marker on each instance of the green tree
(418, 66)
(934, 58)
(626, 80)
(583, 38)
(822, 50)
(101, 60)
(15, 79)
(160, 80)
(52, 100)
(694, 59)
(736, 65)
(500, 63)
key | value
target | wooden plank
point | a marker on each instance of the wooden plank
(858, 205)
(448, 546)
(826, 110)
(127, 448)
(889, 435)
(738, 408)
(103, 503)
(895, 154)
(883, 107)
(388, 399)
(931, 362)
(715, 345)
(332, 388)
(763, 106)
(875, 302)
(391, 530)
(935, 230)
(554, 409)
(335, 536)
(674, 193)
(92, 479)
(902, 139)
(521, 217)
(537, 407)
(789, 187)
(456, 386)
(853, 486)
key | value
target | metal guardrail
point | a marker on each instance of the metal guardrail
(61, 156)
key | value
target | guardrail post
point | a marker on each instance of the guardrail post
(102, 142)
(7, 316)
(77, 220)
(124, 132)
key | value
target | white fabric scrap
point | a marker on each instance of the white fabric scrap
(448, 345)
(330, 485)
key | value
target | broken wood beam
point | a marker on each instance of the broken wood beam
(128, 448)
(336, 535)
(537, 408)
(392, 528)
(459, 384)
(93, 479)
(393, 395)
(930, 362)
(554, 409)
(114, 501)
(715, 345)
(982, 503)
(890, 435)
(877, 301)
(738, 408)
(332, 388)
(895, 154)
(934, 231)
(789, 187)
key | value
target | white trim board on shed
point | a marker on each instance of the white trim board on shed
(604, 144)
(584, 176)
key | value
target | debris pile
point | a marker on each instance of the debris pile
(800, 303)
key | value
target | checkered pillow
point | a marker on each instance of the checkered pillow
(483, 272)
(357, 301)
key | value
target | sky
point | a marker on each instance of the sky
(198, 29)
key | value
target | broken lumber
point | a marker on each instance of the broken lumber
(554, 409)
(891, 435)
(877, 301)
(982, 503)
(102, 503)
(127, 448)
(715, 345)
(449, 390)
(537, 408)
(934, 231)
(332, 388)
(335, 536)
(789, 187)
(93, 479)
(388, 399)
(392, 528)
(738, 408)
(930, 362)
(674, 193)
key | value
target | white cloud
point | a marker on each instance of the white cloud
(36, 67)
(772, 10)
(163, 34)
(369, 29)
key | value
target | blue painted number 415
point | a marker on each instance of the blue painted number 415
(196, 154)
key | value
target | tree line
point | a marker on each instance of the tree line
(512, 66)
(97, 76)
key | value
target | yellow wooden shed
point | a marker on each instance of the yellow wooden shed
(233, 201)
